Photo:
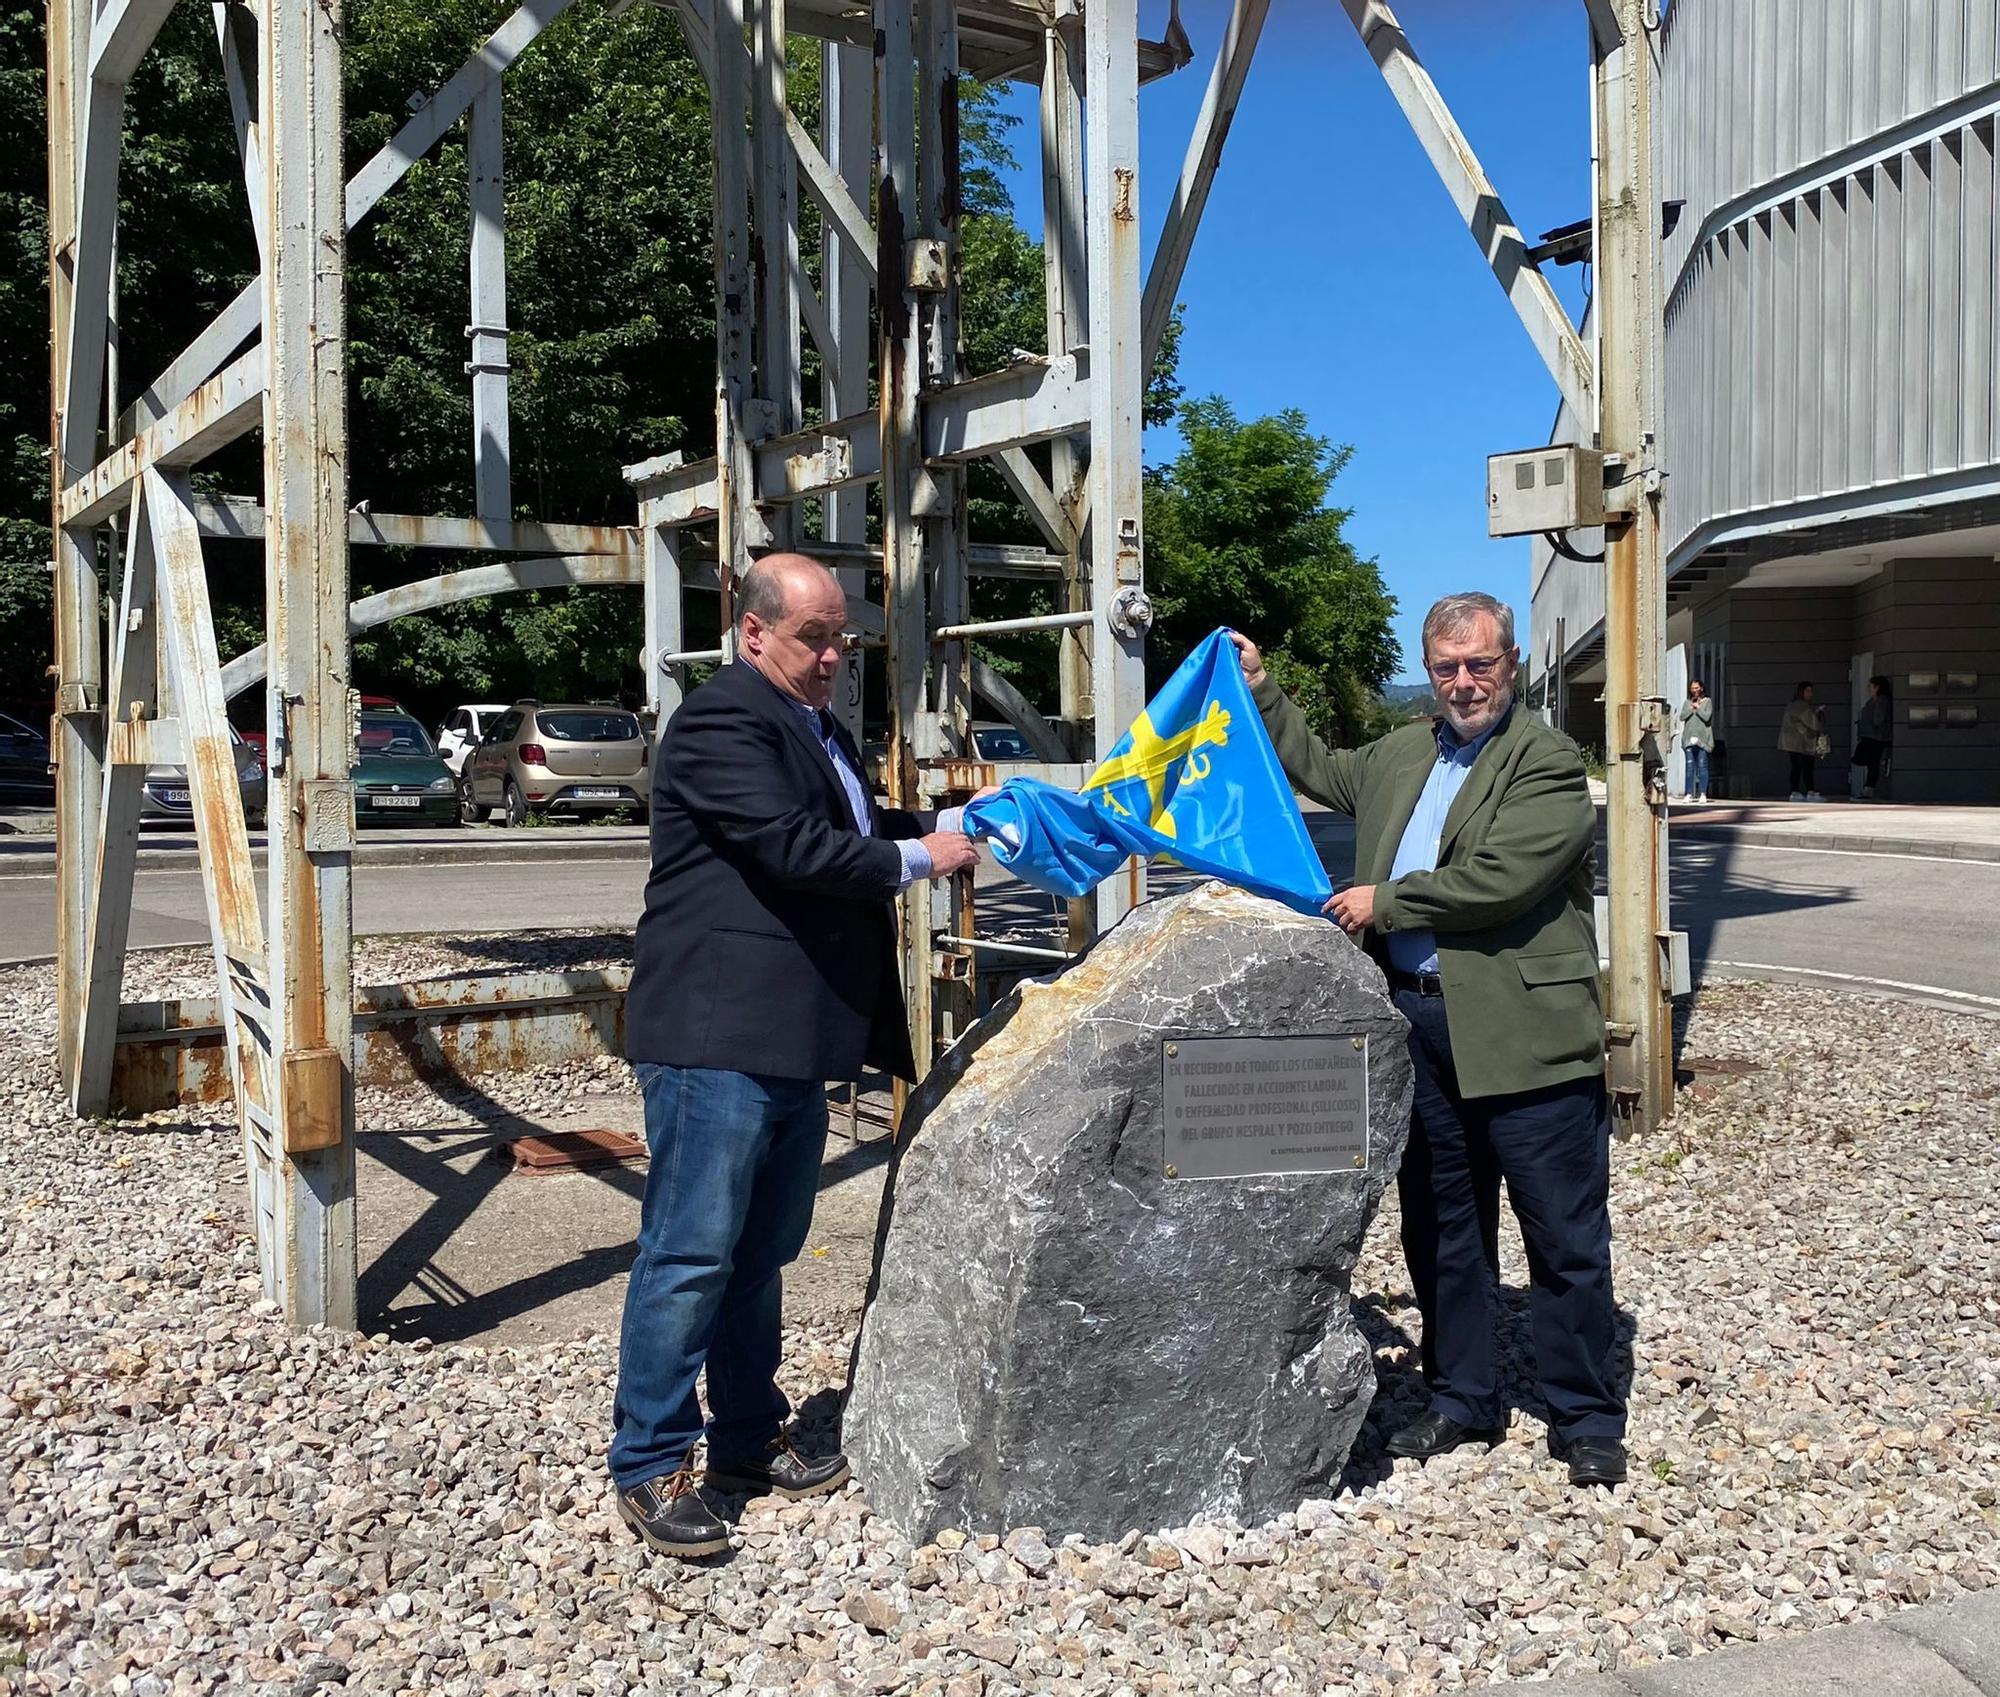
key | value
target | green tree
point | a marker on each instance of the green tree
(1239, 533)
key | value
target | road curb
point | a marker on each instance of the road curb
(1764, 836)
(1942, 1650)
(532, 846)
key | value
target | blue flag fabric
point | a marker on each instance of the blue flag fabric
(1194, 780)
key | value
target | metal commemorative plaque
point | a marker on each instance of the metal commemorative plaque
(1246, 1107)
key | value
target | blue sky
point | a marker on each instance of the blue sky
(1332, 273)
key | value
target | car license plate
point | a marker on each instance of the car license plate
(174, 798)
(596, 792)
(397, 800)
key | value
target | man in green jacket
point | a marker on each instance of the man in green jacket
(1473, 882)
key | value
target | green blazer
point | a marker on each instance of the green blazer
(1510, 901)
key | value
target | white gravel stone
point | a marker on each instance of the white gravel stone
(193, 1499)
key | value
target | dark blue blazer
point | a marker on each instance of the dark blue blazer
(768, 940)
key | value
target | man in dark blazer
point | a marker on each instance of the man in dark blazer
(764, 965)
(1472, 887)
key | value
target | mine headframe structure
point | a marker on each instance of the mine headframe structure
(894, 407)
(882, 167)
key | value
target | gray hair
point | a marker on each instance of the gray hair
(1453, 615)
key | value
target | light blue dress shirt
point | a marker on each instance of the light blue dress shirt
(819, 725)
(1416, 951)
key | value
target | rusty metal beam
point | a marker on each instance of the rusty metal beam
(310, 860)
(133, 703)
(242, 519)
(229, 405)
(1117, 392)
(172, 1053)
(1639, 982)
(79, 727)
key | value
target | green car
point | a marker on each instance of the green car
(398, 777)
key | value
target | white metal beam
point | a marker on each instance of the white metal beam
(835, 199)
(222, 409)
(133, 701)
(1211, 130)
(119, 38)
(492, 454)
(311, 807)
(236, 36)
(1117, 394)
(238, 321)
(427, 595)
(1478, 202)
(779, 281)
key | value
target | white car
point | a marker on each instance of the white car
(462, 731)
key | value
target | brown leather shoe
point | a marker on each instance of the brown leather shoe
(780, 1471)
(668, 1514)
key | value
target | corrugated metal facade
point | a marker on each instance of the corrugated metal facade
(1833, 284)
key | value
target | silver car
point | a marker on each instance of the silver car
(168, 796)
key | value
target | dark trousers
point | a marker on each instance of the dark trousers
(1803, 766)
(729, 1201)
(1553, 1148)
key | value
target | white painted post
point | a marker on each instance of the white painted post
(1117, 392)
(847, 114)
(311, 803)
(492, 455)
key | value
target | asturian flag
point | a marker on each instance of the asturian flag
(1195, 780)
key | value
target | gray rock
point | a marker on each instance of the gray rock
(1058, 1334)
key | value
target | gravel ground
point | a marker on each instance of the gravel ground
(193, 1499)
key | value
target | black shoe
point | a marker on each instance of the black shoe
(1435, 1434)
(1595, 1461)
(668, 1513)
(780, 1471)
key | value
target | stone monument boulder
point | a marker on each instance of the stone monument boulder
(1112, 1269)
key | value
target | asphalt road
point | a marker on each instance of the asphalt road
(1909, 923)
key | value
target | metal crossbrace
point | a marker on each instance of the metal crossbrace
(894, 407)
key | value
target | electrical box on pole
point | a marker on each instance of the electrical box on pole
(1537, 490)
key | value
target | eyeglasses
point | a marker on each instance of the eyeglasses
(1480, 666)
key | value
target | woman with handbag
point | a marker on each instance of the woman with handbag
(1873, 728)
(1802, 735)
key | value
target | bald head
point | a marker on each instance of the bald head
(773, 583)
(790, 612)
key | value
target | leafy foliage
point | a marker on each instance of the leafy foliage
(611, 353)
(1238, 533)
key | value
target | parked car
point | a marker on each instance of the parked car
(463, 730)
(995, 741)
(398, 777)
(545, 758)
(168, 797)
(24, 762)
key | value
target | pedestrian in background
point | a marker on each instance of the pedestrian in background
(1802, 735)
(1697, 738)
(1874, 727)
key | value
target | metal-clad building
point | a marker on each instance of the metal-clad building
(1832, 396)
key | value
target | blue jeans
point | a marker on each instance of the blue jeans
(1553, 1147)
(729, 1200)
(1697, 769)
